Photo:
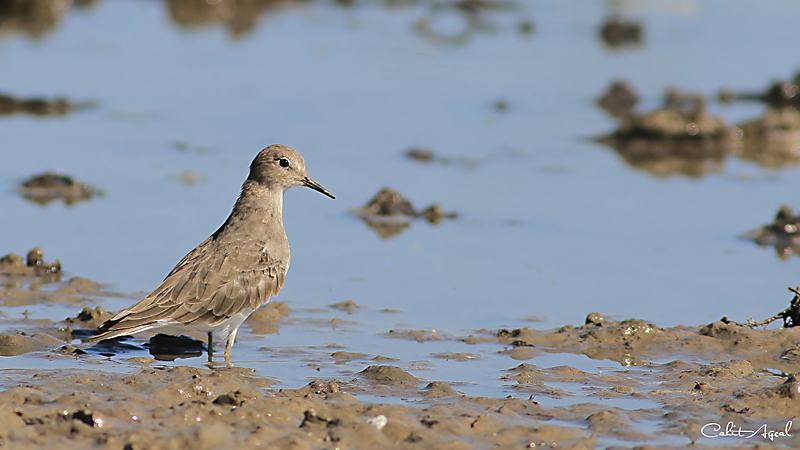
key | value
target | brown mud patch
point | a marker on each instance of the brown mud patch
(619, 100)
(619, 32)
(48, 187)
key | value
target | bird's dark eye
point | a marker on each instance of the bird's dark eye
(283, 162)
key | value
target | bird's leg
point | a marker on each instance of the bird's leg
(228, 346)
(210, 346)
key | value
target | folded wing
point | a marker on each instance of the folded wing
(206, 287)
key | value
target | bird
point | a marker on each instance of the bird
(237, 269)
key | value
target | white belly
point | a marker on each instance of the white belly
(221, 330)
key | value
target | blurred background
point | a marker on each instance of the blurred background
(488, 108)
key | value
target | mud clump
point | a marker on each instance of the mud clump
(36, 106)
(48, 186)
(33, 265)
(414, 335)
(347, 306)
(389, 213)
(680, 137)
(619, 100)
(438, 389)
(388, 375)
(88, 318)
(618, 32)
(428, 156)
(422, 155)
(783, 233)
(314, 388)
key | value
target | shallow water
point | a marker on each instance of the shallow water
(551, 225)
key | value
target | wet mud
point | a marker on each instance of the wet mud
(685, 379)
(388, 213)
(689, 383)
(48, 187)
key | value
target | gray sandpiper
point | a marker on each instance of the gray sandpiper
(237, 269)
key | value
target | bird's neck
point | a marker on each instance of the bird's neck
(260, 203)
(258, 213)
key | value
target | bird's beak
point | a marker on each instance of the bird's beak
(308, 182)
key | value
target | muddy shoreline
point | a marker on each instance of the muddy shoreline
(667, 388)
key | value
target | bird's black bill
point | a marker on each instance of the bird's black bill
(308, 182)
